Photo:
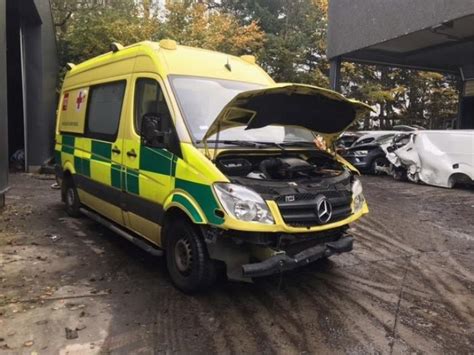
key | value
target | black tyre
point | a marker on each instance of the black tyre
(70, 198)
(400, 174)
(378, 162)
(187, 259)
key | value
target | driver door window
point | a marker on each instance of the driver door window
(149, 99)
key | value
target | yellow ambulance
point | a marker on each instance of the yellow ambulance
(202, 157)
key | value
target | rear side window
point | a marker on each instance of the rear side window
(104, 110)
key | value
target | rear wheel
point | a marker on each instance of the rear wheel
(187, 259)
(70, 197)
(459, 178)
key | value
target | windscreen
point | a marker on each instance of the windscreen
(386, 138)
(202, 99)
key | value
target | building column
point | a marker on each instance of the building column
(460, 104)
(3, 105)
(335, 74)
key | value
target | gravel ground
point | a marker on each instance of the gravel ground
(71, 286)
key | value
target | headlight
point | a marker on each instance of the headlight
(357, 195)
(243, 203)
(361, 153)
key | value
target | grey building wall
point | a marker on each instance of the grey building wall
(34, 112)
(41, 99)
(3, 104)
(356, 24)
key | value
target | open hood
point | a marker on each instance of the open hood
(320, 110)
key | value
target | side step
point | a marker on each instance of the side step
(131, 238)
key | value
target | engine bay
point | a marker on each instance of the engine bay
(280, 167)
(294, 180)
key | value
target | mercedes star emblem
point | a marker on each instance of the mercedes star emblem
(323, 209)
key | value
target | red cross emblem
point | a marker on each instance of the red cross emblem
(81, 98)
(65, 101)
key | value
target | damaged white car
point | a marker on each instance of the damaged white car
(439, 158)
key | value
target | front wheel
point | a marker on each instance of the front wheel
(399, 174)
(187, 259)
(378, 165)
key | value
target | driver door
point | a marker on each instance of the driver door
(147, 170)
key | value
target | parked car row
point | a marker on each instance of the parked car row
(365, 153)
(438, 158)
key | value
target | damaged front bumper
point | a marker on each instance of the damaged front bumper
(283, 262)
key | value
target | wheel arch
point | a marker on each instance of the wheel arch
(182, 201)
(171, 215)
(458, 177)
(66, 178)
(68, 168)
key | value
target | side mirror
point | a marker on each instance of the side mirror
(152, 134)
(391, 149)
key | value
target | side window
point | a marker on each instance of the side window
(104, 109)
(149, 98)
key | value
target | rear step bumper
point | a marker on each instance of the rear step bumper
(283, 262)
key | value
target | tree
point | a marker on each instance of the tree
(197, 25)
(294, 49)
(402, 96)
(86, 28)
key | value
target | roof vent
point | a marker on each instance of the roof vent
(248, 58)
(168, 44)
(115, 47)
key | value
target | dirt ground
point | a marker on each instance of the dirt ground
(407, 287)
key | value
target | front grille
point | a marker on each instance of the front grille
(301, 212)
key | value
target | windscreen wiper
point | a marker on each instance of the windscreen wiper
(298, 143)
(278, 145)
(234, 142)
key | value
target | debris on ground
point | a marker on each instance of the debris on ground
(74, 307)
(53, 237)
(71, 333)
(28, 343)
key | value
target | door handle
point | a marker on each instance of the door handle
(115, 150)
(131, 153)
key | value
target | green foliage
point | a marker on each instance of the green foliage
(85, 29)
(403, 96)
(295, 31)
(195, 25)
(287, 36)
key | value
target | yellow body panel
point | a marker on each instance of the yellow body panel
(112, 212)
(145, 228)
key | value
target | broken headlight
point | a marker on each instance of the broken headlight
(243, 203)
(357, 195)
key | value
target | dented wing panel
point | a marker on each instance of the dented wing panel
(439, 158)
